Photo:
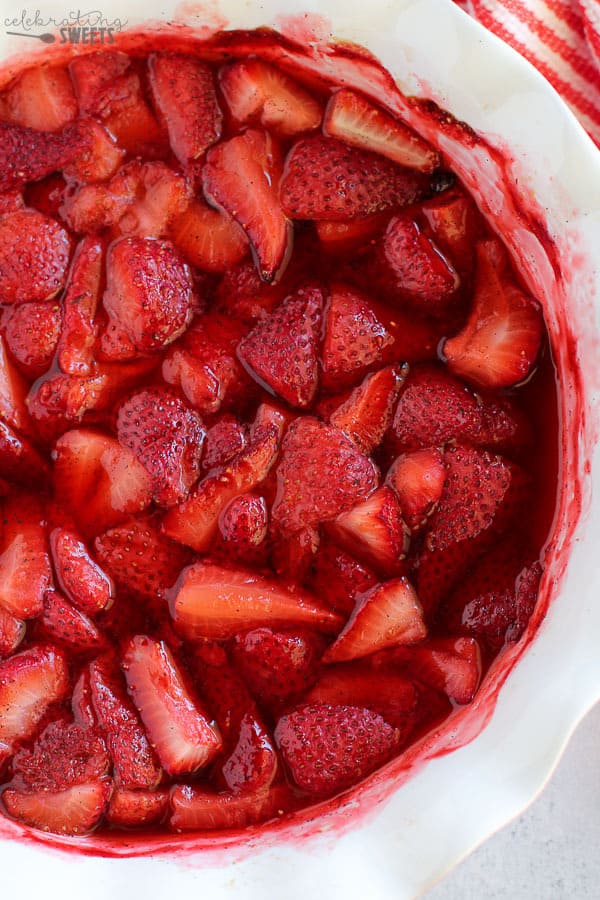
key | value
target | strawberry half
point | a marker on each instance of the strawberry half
(72, 811)
(456, 224)
(243, 525)
(351, 118)
(417, 479)
(367, 413)
(450, 665)
(41, 98)
(327, 749)
(34, 254)
(334, 476)
(338, 578)
(25, 571)
(251, 159)
(252, 764)
(243, 295)
(326, 179)
(216, 603)
(79, 302)
(258, 92)
(182, 735)
(63, 754)
(148, 292)
(28, 155)
(64, 624)
(31, 331)
(501, 339)
(223, 441)
(209, 239)
(88, 588)
(199, 809)
(135, 809)
(387, 615)
(12, 632)
(282, 350)
(13, 390)
(184, 93)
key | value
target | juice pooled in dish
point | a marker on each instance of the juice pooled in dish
(273, 449)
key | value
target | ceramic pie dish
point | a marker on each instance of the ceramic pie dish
(533, 175)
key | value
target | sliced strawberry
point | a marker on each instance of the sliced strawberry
(19, 460)
(243, 295)
(12, 632)
(75, 810)
(351, 118)
(253, 763)
(375, 532)
(148, 291)
(195, 521)
(184, 93)
(34, 253)
(388, 694)
(115, 344)
(341, 238)
(166, 436)
(25, 570)
(93, 156)
(13, 390)
(64, 754)
(251, 159)
(223, 441)
(387, 615)
(355, 339)
(199, 809)
(209, 239)
(216, 603)
(81, 702)
(31, 331)
(182, 735)
(41, 97)
(268, 416)
(101, 482)
(418, 479)
(243, 525)
(133, 759)
(30, 682)
(92, 73)
(326, 179)
(62, 623)
(28, 155)
(79, 302)
(494, 602)
(367, 413)
(335, 476)
(338, 578)
(414, 270)
(501, 339)
(282, 350)
(292, 556)
(258, 92)
(456, 225)
(435, 408)
(330, 748)
(481, 497)
(141, 560)
(450, 665)
(277, 665)
(136, 809)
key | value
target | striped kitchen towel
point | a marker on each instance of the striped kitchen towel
(561, 38)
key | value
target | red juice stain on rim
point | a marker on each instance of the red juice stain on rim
(306, 49)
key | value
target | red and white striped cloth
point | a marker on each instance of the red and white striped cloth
(561, 38)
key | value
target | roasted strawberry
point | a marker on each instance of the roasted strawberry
(330, 748)
(13, 388)
(223, 441)
(252, 764)
(292, 556)
(450, 665)
(184, 93)
(243, 526)
(340, 238)
(28, 155)
(351, 118)
(418, 479)
(243, 294)
(338, 578)
(209, 239)
(258, 92)
(31, 332)
(456, 225)
(251, 159)
(135, 809)
(93, 154)
(92, 73)
(367, 413)
(197, 808)
(326, 179)
(63, 624)
(34, 253)
(41, 98)
(12, 632)
(46, 195)
(79, 302)
(63, 754)
(282, 350)
(374, 532)
(74, 810)
(25, 570)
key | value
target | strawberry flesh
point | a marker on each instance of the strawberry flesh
(417, 479)
(85, 584)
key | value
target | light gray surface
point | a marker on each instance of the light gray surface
(552, 852)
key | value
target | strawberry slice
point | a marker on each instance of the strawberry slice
(390, 695)
(184, 94)
(252, 765)
(335, 476)
(27, 155)
(81, 702)
(277, 666)
(12, 632)
(387, 615)
(134, 763)
(414, 270)
(494, 602)
(367, 413)
(141, 560)
(198, 809)
(148, 292)
(292, 556)
(25, 570)
(243, 295)
(457, 225)
(115, 344)
(136, 809)
(34, 253)
(251, 159)
(41, 98)
(450, 665)
(166, 437)
(184, 738)
(19, 460)
(482, 495)
(195, 522)
(338, 578)
(355, 339)
(92, 73)
(63, 624)
(343, 238)
(351, 118)
(31, 331)
(326, 179)
(330, 748)
(93, 154)
(243, 525)
(75, 810)
(417, 479)
(101, 482)
(435, 408)
(282, 350)
(375, 532)
(82, 580)
(63, 754)
(30, 682)
(500, 341)
(216, 603)
(79, 302)
(209, 239)
(223, 441)
(258, 92)
(13, 390)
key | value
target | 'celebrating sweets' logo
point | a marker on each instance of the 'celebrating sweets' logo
(76, 27)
